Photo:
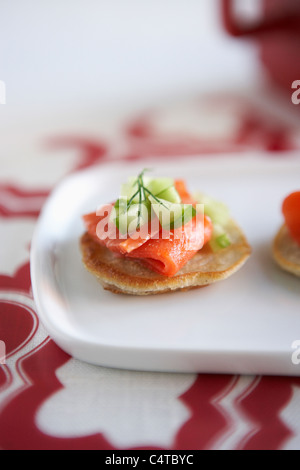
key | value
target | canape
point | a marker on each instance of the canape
(157, 238)
(286, 246)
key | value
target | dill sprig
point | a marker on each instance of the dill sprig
(141, 192)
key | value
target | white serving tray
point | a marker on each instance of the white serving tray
(246, 324)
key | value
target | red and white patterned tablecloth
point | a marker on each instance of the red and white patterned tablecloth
(49, 400)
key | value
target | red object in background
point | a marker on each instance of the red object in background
(291, 212)
(278, 35)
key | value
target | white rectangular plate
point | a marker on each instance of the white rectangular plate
(245, 324)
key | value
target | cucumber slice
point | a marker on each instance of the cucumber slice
(119, 214)
(220, 242)
(128, 191)
(220, 239)
(170, 195)
(216, 210)
(129, 221)
(166, 212)
(223, 241)
(220, 216)
(129, 214)
(188, 213)
(138, 216)
(132, 181)
(119, 208)
(172, 216)
(158, 185)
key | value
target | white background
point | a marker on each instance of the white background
(57, 56)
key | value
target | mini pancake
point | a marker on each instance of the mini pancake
(123, 275)
(286, 251)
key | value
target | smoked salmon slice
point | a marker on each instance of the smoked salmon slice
(163, 255)
(168, 256)
(112, 239)
(291, 212)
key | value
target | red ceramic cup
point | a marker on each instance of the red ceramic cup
(277, 33)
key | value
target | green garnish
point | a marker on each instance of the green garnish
(132, 199)
(220, 217)
(172, 216)
(142, 198)
(223, 241)
(156, 199)
(143, 193)
(219, 242)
